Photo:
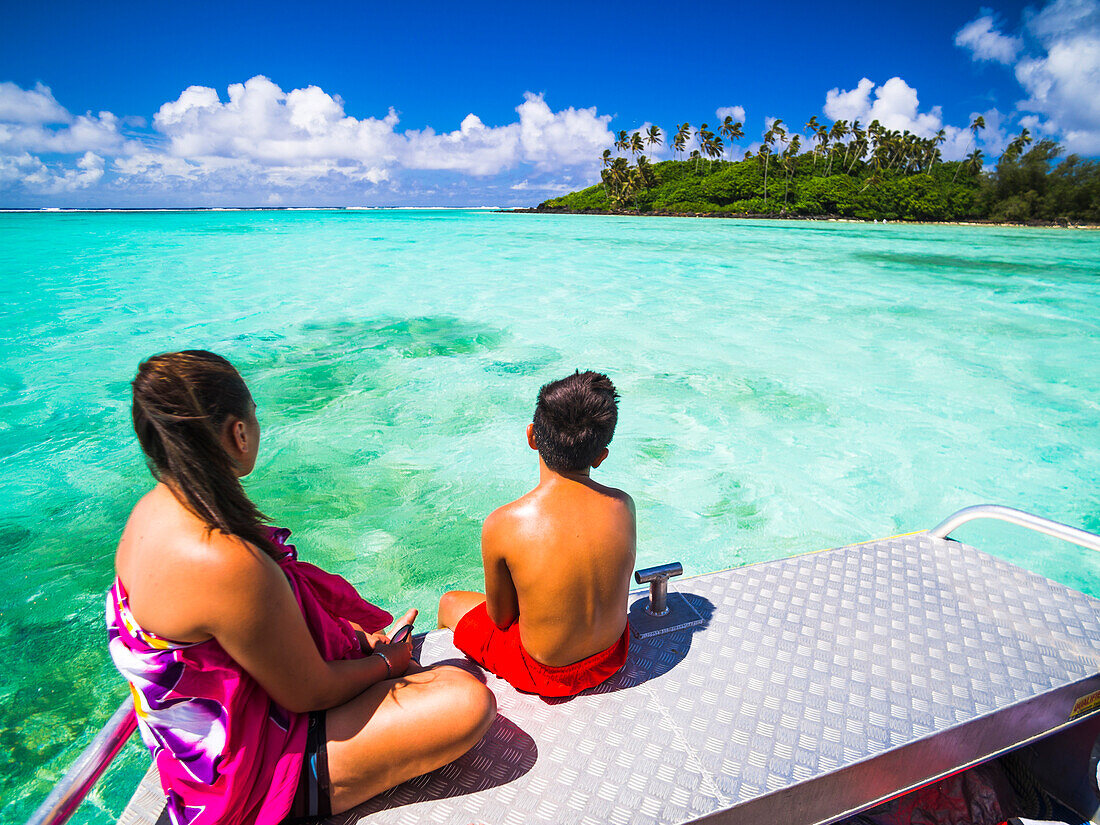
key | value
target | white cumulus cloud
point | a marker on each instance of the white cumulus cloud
(30, 171)
(259, 138)
(895, 105)
(985, 42)
(1063, 82)
(263, 124)
(1056, 61)
(307, 132)
(32, 123)
(567, 138)
(98, 133)
(473, 148)
(35, 105)
(736, 112)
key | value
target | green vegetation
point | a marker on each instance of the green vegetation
(871, 173)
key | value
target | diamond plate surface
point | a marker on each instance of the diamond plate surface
(828, 666)
(681, 615)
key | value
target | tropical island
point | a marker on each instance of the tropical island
(847, 171)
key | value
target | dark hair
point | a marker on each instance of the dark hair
(575, 419)
(181, 402)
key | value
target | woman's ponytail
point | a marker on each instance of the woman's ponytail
(181, 403)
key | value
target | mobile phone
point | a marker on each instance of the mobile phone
(402, 635)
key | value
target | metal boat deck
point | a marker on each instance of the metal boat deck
(818, 686)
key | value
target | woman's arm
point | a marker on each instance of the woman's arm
(252, 612)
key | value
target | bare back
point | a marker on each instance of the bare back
(566, 550)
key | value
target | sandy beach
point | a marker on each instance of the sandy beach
(659, 213)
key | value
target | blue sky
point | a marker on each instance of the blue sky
(129, 104)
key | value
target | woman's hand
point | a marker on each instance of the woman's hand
(367, 641)
(400, 654)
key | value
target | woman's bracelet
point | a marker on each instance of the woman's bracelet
(389, 667)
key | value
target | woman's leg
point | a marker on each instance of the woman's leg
(402, 728)
(456, 604)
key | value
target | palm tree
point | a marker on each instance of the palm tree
(860, 146)
(646, 176)
(789, 154)
(653, 136)
(837, 131)
(713, 146)
(701, 136)
(780, 130)
(683, 133)
(858, 142)
(822, 142)
(879, 149)
(874, 179)
(606, 157)
(618, 182)
(908, 150)
(891, 147)
(812, 126)
(765, 153)
(974, 162)
(709, 145)
(732, 130)
(934, 153)
(636, 143)
(1017, 146)
(640, 179)
(622, 143)
(975, 126)
(610, 184)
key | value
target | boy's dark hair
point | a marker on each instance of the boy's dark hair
(575, 419)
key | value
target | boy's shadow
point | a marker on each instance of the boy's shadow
(655, 655)
(503, 755)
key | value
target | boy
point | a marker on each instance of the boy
(558, 560)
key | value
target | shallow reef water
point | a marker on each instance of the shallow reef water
(785, 386)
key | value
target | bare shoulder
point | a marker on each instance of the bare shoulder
(185, 582)
(620, 497)
(503, 522)
(509, 515)
(225, 560)
(169, 537)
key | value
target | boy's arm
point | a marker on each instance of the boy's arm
(501, 601)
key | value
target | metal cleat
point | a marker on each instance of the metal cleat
(662, 612)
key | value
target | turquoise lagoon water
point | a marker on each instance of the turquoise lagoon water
(785, 387)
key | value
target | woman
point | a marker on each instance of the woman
(263, 687)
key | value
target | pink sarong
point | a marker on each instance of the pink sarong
(226, 753)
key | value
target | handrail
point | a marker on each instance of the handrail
(1018, 517)
(79, 779)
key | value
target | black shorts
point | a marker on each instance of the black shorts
(311, 800)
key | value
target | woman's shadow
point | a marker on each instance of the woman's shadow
(503, 755)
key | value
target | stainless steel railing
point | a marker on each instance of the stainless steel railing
(79, 779)
(1018, 517)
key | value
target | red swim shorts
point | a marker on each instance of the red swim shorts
(501, 652)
